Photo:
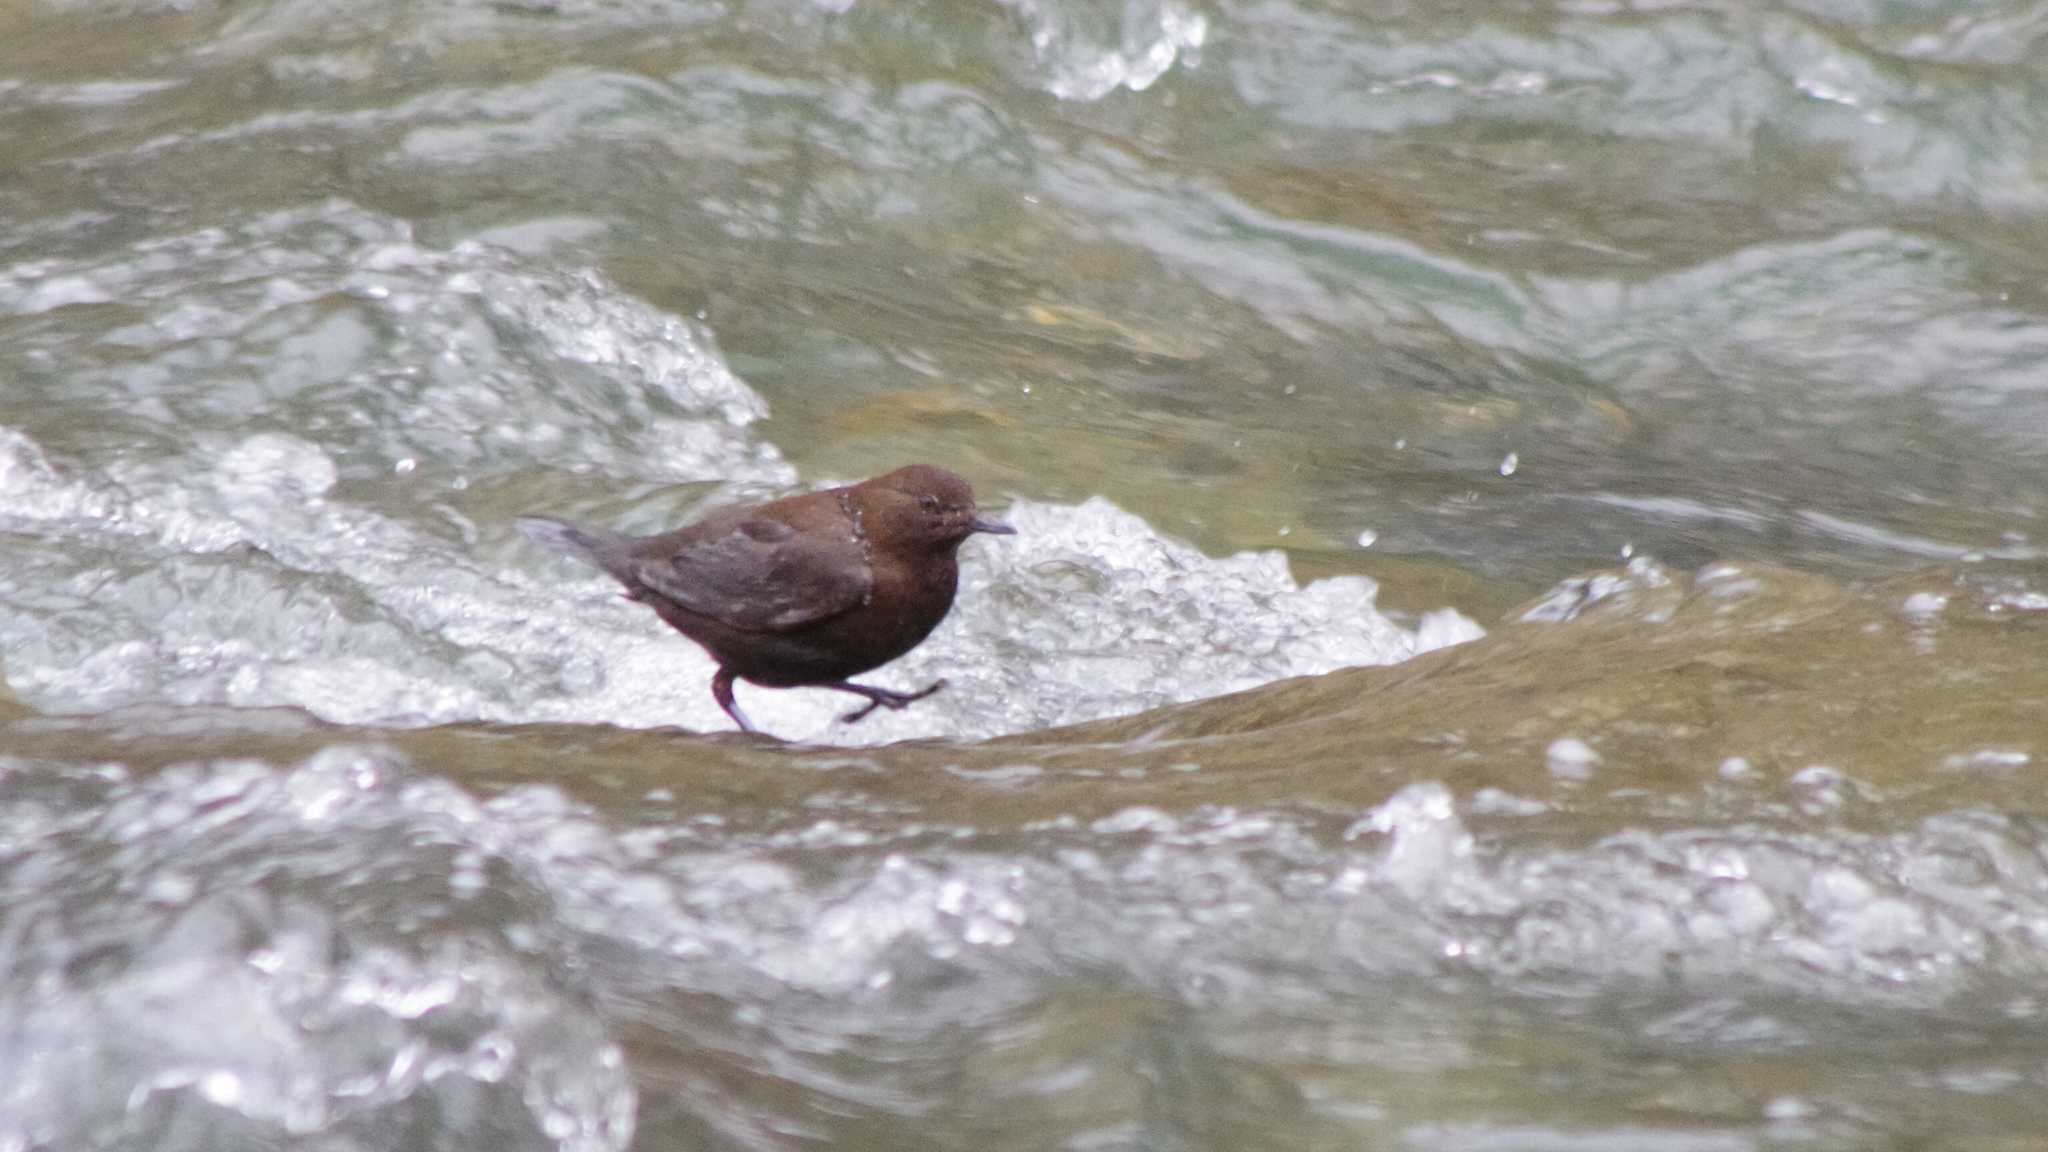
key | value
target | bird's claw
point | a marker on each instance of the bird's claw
(883, 698)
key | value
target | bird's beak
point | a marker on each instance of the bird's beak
(992, 527)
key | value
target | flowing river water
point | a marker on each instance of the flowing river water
(1528, 630)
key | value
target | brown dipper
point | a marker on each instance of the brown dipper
(801, 592)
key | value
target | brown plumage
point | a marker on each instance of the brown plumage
(804, 591)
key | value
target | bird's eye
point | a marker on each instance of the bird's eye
(928, 503)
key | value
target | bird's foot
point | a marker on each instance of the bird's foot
(881, 698)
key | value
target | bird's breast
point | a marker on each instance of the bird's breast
(913, 597)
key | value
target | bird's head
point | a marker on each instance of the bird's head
(922, 505)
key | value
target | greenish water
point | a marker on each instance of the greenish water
(1695, 352)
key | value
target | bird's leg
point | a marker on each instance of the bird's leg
(721, 691)
(879, 697)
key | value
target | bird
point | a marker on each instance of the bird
(802, 592)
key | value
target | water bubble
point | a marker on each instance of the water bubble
(1922, 607)
(1570, 758)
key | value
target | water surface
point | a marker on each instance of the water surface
(1526, 634)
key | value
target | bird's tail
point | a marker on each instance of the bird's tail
(596, 547)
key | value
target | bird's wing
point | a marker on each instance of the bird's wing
(762, 576)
